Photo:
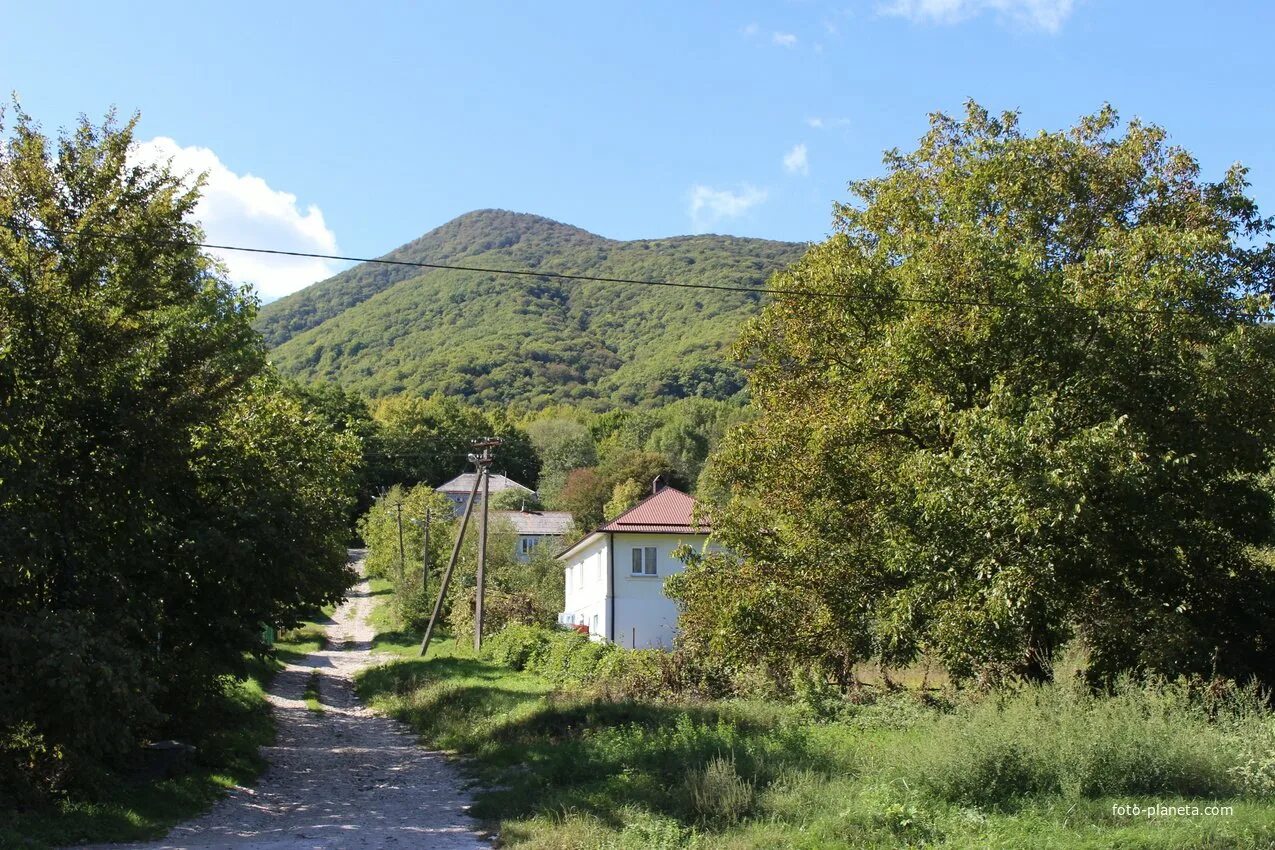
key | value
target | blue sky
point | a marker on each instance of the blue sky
(356, 127)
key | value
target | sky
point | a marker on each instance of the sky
(336, 127)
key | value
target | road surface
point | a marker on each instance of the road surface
(346, 778)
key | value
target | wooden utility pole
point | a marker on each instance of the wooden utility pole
(423, 525)
(484, 465)
(451, 565)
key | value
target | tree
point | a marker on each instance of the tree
(561, 446)
(163, 498)
(584, 495)
(1034, 403)
(427, 440)
(379, 527)
(624, 495)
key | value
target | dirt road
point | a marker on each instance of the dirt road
(345, 778)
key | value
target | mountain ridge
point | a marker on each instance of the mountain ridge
(383, 329)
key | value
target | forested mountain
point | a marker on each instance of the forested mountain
(383, 330)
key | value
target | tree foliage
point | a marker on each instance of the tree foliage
(162, 497)
(1041, 408)
(414, 592)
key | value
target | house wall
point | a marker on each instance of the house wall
(644, 617)
(586, 588)
(528, 542)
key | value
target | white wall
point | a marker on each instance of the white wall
(586, 596)
(644, 616)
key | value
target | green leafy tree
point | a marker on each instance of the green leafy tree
(585, 495)
(346, 412)
(624, 495)
(427, 441)
(1037, 405)
(413, 593)
(162, 498)
(514, 500)
(561, 446)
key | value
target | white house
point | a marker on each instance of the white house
(535, 527)
(615, 575)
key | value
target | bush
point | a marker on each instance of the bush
(518, 646)
(1063, 740)
(31, 768)
(718, 793)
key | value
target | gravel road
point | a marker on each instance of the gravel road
(345, 778)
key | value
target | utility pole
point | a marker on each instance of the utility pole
(481, 463)
(451, 565)
(423, 525)
(484, 464)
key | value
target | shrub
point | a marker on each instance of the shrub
(717, 792)
(1061, 739)
(30, 767)
(518, 646)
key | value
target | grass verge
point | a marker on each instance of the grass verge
(1043, 768)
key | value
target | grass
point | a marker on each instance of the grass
(127, 808)
(1038, 768)
(312, 696)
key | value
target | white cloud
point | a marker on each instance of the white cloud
(709, 206)
(819, 123)
(1045, 15)
(750, 30)
(240, 209)
(795, 161)
(784, 39)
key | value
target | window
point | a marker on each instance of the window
(527, 544)
(594, 629)
(644, 561)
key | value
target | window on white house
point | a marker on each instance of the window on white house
(644, 561)
(594, 627)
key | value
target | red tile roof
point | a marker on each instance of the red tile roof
(667, 512)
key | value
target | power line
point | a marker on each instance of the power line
(723, 287)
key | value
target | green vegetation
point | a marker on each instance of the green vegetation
(312, 696)
(1035, 766)
(983, 484)
(517, 592)
(532, 342)
(165, 496)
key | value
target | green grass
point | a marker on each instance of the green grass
(312, 696)
(294, 645)
(1040, 768)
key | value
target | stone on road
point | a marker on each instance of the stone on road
(345, 778)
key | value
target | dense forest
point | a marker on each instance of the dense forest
(492, 339)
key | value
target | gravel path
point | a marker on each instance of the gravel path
(346, 778)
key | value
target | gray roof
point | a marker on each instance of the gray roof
(542, 523)
(464, 482)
